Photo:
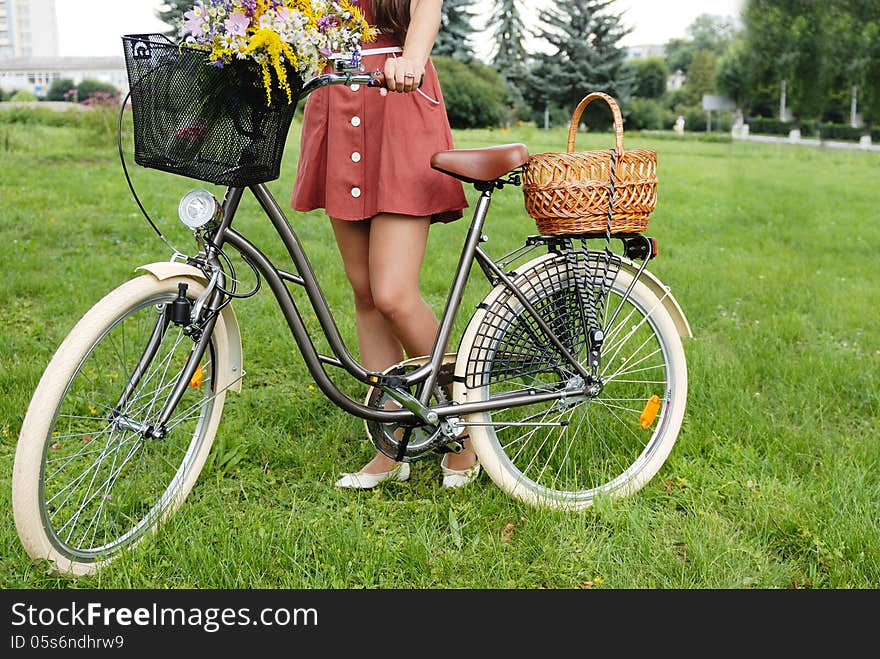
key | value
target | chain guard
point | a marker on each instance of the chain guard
(423, 438)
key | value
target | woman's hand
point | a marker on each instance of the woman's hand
(403, 74)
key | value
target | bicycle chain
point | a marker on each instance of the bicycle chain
(423, 439)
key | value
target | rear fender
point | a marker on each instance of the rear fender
(664, 294)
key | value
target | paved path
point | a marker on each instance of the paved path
(807, 141)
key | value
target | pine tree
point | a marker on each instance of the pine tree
(171, 13)
(456, 29)
(509, 56)
(584, 35)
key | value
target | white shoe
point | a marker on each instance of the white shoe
(459, 477)
(364, 481)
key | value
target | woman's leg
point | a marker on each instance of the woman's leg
(397, 248)
(379, 348)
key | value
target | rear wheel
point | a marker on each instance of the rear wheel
(88, 480)
(564, 453)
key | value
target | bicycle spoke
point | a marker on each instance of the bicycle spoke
(103, 482)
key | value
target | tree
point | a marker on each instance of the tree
(456, 28)
(650, 77)
(509, 56)
(171, 13)
(734, 75)
(789, 40)
(90, 87)
(474, 93)
(701, 77)
(60, 90)
(712, 32)
(856, 54)
(679, 53)
(586, 57)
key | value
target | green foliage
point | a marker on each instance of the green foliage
(171, 13)
(586, 56)
(844, 132)
(474, 93)
(734, 75)
(97, 125)
(768, 126)
(23, 96)
(792, 40)
(701, 78)
(509, 56)
(711, 32)
(456, 29)
(60, 90)
(679, 53)
(647, 114)
(90, 88)
(650, 77)
(42, 116)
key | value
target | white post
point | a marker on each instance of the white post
(546, 117)
(782, 102)
(853, 119)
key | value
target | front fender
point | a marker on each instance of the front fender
(227, 320)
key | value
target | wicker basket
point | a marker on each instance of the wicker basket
(568, 193)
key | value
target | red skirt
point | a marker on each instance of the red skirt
(362, 153)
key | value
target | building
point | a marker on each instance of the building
(29, 52)
(36, 74)
(645, 51)
(28, 28)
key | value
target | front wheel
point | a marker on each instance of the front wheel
(566, 452)
(88, 480)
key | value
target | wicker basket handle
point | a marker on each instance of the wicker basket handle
(576, 119)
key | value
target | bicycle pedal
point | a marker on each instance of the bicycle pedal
(455, 446)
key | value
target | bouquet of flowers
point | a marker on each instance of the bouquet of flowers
(279, 35)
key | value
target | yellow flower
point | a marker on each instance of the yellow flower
(269, 41)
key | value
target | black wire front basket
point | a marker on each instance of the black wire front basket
(196, 119)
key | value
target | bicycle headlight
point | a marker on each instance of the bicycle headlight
(198, 208)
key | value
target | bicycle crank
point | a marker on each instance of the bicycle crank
(410, 441)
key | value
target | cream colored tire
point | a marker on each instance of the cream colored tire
(602, 450)
(66, 425)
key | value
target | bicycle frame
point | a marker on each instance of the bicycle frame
(425, 377)
(414, 408)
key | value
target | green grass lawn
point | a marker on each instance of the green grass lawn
(773, 483)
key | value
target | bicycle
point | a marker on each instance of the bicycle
(570, 376)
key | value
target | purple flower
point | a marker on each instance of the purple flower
(250, 6)
(194, 23)
(237, 24)
(326, 22)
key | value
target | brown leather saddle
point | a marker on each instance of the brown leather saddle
(481, 165)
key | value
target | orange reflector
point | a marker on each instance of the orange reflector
(650, 412)
(198, 376)
(373, 378)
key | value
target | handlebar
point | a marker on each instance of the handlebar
(373, 79)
